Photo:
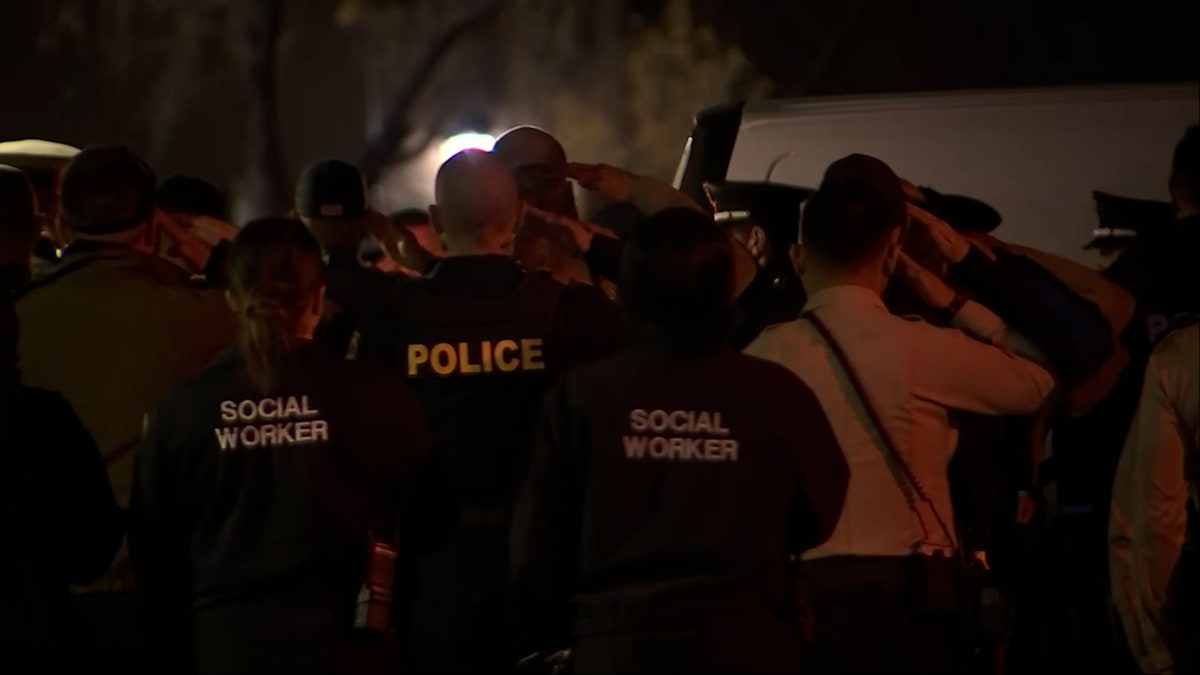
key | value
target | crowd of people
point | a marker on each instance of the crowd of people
(842, 429)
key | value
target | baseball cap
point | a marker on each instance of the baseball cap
(877, 176)
(107, 189)
(18, 203)
(331, 190)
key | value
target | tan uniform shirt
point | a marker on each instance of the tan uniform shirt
(914, 373)
(1155, 479)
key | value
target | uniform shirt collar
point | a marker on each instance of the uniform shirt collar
(476, 275)
(844, 295)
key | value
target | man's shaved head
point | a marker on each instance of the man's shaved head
(529, 146)
(540, 165)
(477, 203)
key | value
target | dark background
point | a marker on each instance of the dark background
(617, 80)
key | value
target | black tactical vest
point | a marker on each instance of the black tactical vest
(480, 368)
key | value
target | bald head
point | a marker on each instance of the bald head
(529, 146)
(540, 165)
(477, 204)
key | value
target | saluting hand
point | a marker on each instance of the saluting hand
(952, 244)
(932, 290)
(610, 181)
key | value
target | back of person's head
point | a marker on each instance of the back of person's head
(853, 215)
(677, 274)
(477, 204)
(276, 286)
(1185, 171)
(106, 190)
(331, 198)
(539, 164)
(193, 196)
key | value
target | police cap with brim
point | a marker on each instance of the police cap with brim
(1120, 219)
(772, 206)
(34, 154)
(964, 214)
(331, 190)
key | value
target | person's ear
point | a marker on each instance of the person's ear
(756, 243)
(799, 256)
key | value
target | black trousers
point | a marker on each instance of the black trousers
(864, 624)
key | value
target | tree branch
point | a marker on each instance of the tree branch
(383, 146)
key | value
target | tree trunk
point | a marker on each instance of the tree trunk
(395, 124)
(265, 190)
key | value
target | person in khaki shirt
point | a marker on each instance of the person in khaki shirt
(913, 374)
(1148, 525)
(113, 328)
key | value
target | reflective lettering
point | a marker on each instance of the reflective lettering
(417, 354)
(487, 356)
(245, 428)
(247, 410)
(692, 438)
(320, 430)
(227, 438)
(504, 363)
(250, 437)
(292, 408)
(464, 361)
(531, 355)
(441, 357)
(635, 447)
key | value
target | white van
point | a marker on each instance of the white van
(1034, 155)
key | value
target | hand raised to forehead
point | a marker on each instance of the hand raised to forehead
(610, 181)
(952, 244)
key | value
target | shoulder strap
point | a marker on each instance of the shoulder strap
(901, 472)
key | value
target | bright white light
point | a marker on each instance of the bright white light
(469, 141)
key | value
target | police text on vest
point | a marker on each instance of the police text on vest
(270, 423)
(679, 435)
(472, 358)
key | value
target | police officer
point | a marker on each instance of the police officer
(673, 480)
(480, 341)
(1158, 266)
(263, 479)
(331, 200)
(764, 218)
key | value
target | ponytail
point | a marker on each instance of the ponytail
(275, 270)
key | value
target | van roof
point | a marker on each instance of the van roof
(966, 98)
